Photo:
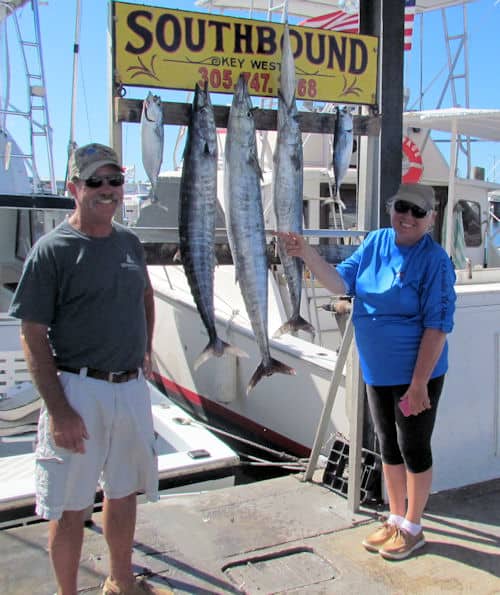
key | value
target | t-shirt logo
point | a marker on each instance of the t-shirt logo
(129, 263)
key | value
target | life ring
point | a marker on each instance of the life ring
(412, 166)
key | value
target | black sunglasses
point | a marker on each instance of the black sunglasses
(402, 206)
(97, 181)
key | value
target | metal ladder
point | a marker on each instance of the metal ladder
(457, 67)
(37, 114)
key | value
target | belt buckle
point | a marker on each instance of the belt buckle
(111, 377)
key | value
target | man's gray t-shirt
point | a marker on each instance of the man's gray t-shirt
(90, 293)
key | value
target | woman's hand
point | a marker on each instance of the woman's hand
(293, 243)
(418, 398)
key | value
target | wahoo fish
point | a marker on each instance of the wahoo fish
(342, 147)
(152, 138)
(245, 224)
(288, 185)
(197, 210)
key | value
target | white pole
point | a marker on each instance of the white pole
(74, 90)
(451, 190)
(330, 399)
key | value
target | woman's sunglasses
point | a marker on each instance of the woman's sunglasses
(401, 206)
(97, 181)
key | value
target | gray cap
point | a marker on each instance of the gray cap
(86, 160)
(416, 194)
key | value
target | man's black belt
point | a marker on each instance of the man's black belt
(118, 377)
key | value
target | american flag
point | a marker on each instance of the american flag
(349, 22)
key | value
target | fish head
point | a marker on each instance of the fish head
(241, 119)
(152, 110)
(241, 124)
(201, 99)
(343, 120)
(242, 103)
(203, 119)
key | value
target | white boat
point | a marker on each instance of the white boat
(283, 412)
(190, 456)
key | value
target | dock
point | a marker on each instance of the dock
(280, 535)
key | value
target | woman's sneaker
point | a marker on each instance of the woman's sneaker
(378, 538)
(140, 587)
(402, 544)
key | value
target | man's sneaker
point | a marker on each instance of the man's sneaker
(140, 587)
(402, 544)
(378, 538)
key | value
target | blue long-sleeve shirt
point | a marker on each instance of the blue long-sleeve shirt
(399, 292)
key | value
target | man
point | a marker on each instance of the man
(87, 310)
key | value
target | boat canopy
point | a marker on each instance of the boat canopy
(9, 6)
(477, 123)
(313, 8)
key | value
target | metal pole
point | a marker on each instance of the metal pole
(330, 400)
(355, 388)
(74, 89)
(448, 244)
(47, 128)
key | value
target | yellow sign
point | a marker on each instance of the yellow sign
(167, 48)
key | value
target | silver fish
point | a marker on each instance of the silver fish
(245, 224)
(197, 215)
(342, 147)
(288, 184)
(152, 138)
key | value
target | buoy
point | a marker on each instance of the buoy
(412, 167)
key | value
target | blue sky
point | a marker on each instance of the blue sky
(57, 21)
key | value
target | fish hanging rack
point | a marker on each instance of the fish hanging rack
(177, 114)
(161, 244)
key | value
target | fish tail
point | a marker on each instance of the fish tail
(217, 348)
(177, 256)
(294, 324)
(340, 202)
(273, 367)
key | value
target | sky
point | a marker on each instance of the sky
(425, 68)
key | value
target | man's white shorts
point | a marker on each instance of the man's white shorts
(119, 454)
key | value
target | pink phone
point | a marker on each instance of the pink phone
(404, 405)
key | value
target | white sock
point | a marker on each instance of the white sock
(395, 519)
(411, 527)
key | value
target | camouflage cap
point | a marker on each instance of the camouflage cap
(416, 194)
(86, 160)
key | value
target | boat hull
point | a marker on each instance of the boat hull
(282, 412)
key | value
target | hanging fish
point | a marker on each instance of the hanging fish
(342, 148)
(197, 215)
(288, 182)
(245, 224)
(152, 139)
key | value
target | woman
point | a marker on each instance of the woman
(402, 281)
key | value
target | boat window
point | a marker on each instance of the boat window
(471, 218)
(24, 238)
(495, 209)
(30, 227)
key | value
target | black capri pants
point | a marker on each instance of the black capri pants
(404, 440)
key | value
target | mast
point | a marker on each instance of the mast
(74, 89)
